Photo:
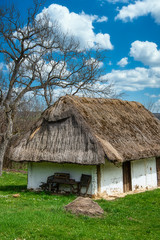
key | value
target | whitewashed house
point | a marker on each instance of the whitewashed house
(116, 142)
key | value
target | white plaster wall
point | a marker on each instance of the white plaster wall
(111, 179)
(144, 175)
(38, 172)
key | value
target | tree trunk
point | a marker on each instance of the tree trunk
(3, 148)
(7, 137)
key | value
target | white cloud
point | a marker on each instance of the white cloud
(157, 106)
(152, 95)
(123, 62)
(140, 8)
(102, 19)
(101, 64)
(79, 25)
(139, 78)
(94, 62)
(117, 1)
(3, 67)
(146, 52)
(103, 40)
(134, 79)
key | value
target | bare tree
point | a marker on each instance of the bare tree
(39, 59)
(152, 106)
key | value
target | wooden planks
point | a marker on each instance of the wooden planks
(99, 179)
(158, 171)
(127, 186)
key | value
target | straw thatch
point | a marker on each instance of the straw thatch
(85, 206)
(89, 130)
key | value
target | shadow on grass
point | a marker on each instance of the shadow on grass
(22, 188)
(11, 188)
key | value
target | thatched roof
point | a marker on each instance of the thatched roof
(89, 131)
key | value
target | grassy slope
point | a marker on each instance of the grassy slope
(40, 216)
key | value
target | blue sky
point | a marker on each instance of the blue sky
(129, 30)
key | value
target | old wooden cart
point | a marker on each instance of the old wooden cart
(53, 183)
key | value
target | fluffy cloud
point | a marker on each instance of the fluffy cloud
(140, 77)
(94, 62)
(140, 8)
(123, 62)
(102, 19)
(117, 1)
(152, 95)
(79, 25)
(146, 52)
(134, 79)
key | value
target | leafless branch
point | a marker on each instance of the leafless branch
(40, 58)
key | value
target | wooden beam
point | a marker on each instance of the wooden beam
(98, 179)
(127, 185)
(158, 171)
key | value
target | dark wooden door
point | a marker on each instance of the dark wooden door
(127, 186)
(158, 171)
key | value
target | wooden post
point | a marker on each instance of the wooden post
(127, 185)
(158, 171)
(98, 179)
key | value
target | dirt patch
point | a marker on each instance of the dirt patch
(17, 195)
(85, 206)
(107, 197)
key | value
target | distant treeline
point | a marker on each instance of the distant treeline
(23, 122)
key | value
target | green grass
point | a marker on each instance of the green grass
(42, 216)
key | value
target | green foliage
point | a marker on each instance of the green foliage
(42, 216)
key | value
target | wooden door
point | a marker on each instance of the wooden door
(158, 171)
(127, 186)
